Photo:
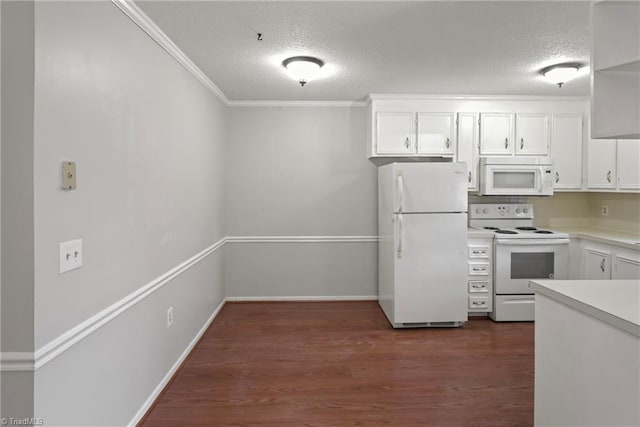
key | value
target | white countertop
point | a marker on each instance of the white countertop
(477, 233)
(602, 235)
(616, 302)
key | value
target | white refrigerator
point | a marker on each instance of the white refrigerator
(422, 227)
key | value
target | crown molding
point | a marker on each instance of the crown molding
(142, 20)
(427, 97)
(341, 104)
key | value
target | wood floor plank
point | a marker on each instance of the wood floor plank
(341, 364)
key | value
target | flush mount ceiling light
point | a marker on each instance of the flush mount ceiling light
(561, 73)
(303, 68)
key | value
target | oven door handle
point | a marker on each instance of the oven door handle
(532, 242)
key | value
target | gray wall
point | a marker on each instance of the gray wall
(17, 202)
(148, 141)
(300, 171)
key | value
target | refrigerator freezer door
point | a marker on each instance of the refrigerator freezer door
(430, 268)
(430, 187)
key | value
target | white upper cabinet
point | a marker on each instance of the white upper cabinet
(395, 133)
(468, 146)
(496, 134)
(614, 165)
(532, 134)
(629, 164)
(566, 150)
(436, 134)
(601, 170)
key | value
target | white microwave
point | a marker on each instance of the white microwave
(516, 176)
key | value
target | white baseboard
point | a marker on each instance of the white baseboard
(172, 371)
(305, 298)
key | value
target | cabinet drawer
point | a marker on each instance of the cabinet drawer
(478, 286)
(478, 302)
(478, 252)
(478, 269)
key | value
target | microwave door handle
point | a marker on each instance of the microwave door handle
(540, 180)
(530, 242)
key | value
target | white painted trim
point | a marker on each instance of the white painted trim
(65, 341)
(172, 371)
(402, 97)
(306, 298)
(71, 337)
(340, 104)
(145, 23)
(142, 20)
(16, 361)
(302, 239)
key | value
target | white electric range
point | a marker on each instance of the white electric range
(521, 252)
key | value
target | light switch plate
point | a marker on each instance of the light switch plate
(68, 175)
(70, 255)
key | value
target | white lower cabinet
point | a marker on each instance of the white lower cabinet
(604, 262)
(480, 278)
(626, 266)
(597, 264)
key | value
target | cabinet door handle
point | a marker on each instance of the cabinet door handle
(602, 265)
(506, 143)
(557, 177)
(448, 143)
(406, 142)
(609, 176)
(521, 143)
(470, 176)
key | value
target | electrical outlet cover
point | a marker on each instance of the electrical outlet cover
(169, 317)
(70, 254)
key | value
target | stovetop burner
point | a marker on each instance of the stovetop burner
(506, 232)
(491, 228)
(543, 232)
(526, 228)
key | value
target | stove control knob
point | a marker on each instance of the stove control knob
(518, 210)
(478, 210)
(485, 211)
(525, 210)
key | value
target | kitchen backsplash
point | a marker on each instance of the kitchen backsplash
(624, 211)
(580, 209)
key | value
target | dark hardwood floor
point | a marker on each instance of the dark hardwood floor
(341, 364)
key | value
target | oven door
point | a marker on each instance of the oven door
(520, 180)
(520, 260)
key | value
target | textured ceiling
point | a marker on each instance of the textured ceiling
(398, 47)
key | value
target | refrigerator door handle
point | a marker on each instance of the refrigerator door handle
(400, 234)
(400, 191)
